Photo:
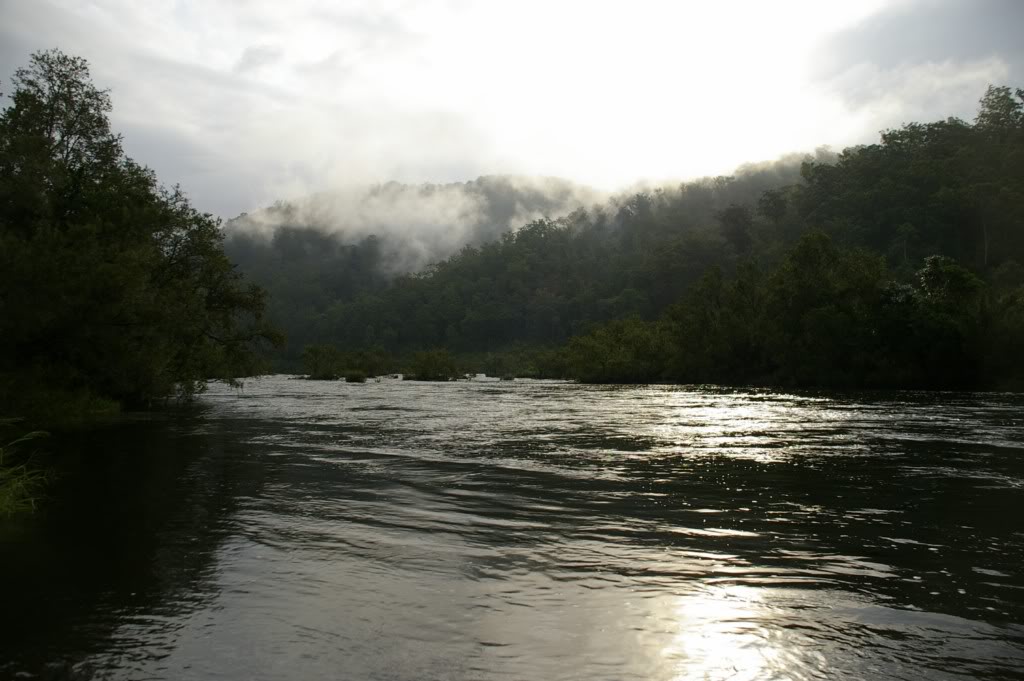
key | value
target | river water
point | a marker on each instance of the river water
(529, 530)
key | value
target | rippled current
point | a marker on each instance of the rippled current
(529, 530)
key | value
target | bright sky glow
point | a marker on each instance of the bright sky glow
(246, 101)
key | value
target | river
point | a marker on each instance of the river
(529, 530)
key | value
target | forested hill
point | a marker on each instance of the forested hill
(317, 250)
(838, 250)
(316, 256)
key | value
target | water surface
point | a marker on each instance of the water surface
(531, 530)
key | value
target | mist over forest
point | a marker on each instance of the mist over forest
(411, 225)
(321, 251)
(418, 225)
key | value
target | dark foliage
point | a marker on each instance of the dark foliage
(112, 288)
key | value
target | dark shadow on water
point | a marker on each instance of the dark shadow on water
(136, 515)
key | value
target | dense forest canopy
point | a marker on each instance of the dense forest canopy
(322, 267)
(891, 264)
(113, 288)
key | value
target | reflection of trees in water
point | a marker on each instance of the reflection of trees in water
(131, 536)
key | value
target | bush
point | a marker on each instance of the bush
(322, 362)
(432, 365)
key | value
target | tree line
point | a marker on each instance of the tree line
(891, 264)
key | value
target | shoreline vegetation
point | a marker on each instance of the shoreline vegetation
(824, 318)
(891, 265)
(21, 481)
(114, 291)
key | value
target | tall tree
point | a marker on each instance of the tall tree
(737, 223)
(110, 284)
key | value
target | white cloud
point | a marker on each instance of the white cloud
(271, 99)
(887, 97)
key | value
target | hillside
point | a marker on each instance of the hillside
(832, 254)
(317, 255)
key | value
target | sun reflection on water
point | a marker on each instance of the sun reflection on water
(762, 429)
(721, 635)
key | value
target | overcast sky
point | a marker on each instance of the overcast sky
(246, 101)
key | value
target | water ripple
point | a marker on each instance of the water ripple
(538, 529)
